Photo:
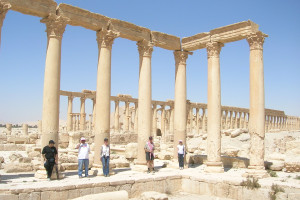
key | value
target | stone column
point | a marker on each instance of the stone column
(126, 117)
(69, 114)
(105, 40)
(204, 121)
(226, 119)
(136, 118)
(78, 121)
(240, 120)
(4, 7)
(117, 117)
(154, 123)
(144, 115)
(82, 114)
(214, 163)
(231, 120)
(162, 121)
(180, 101)
(94, 113)
(90, 122)
(257, 106)
(25, 129)
(50, 117)
(171, 120)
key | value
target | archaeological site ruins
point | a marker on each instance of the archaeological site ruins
(225, 145)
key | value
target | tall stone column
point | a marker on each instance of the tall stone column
(105, 40)
(117, 117)
(214, 163)
(126, 117)
(204, 120)
(69, 114)
(180, 101)
(145, 49)
(231, 119)
(171, 120)
(94, 113)
(82, 114)
(4, 7)
(154, 121)
(257, 106)
(197, 121)
(136, 118)
(25, 129)
(50, 116)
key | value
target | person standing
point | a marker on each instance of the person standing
(181, 152)
(105, 153)
(149, 149)
(49, 154)
(83, 157)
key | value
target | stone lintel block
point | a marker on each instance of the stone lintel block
(120, 182)
(165, 41)
(40, 8)
(82, 17)
(130, 181)
(9, 197)
(195, 42)
(129, 31)
(160, 178)
(174, 177)
(101, 184)
(85, 185)
(143, 180)
(67, 187)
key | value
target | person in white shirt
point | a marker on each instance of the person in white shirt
(83, 157)
(105, 153)
(181, 153)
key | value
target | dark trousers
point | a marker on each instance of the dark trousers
(49, 168)
(180, 160)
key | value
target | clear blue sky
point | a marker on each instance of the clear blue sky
(23, 51)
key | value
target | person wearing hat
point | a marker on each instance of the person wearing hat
(181, 152)
(49, 154)
(83, 157)
(149, 149)
(105, 154)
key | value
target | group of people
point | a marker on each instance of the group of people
(50, 156)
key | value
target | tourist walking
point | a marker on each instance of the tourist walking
(49, 154)
(149, 149)
(83, 157)
(105, 153)
(181, 153)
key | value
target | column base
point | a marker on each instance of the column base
(256, 172)
(42, 174)
(214, 167)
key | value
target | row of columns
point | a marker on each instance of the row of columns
(55, 29)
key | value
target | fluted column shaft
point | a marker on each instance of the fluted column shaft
(69, 114)
(180, 108)
(145, 49)
(214, 163)
(105, 40)
(257, 101)
(50, 116)
(82, 114)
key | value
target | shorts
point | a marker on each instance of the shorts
(148, 156)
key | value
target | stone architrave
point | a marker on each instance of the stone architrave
(180, 108)
(145, 49)
(82, 114)
(69, 115)
(214, 163)
(50, 117)
(257, 106)
(105, 40)
(4, 7)
(117, 117)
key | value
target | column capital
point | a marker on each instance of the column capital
(214, 49)
(105, 38)
(256, 40)
(145, 48)
(70, 98)
(4, 7)
(82, 98)
(116, 101)
(55, 26)
(181, 56)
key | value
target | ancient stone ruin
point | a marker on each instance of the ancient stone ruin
(225, 145)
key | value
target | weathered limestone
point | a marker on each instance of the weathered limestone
(82, 114)
(69, 114)
(105, 40)
(154, 120)
(4, 7)
(50, 117)
(180, 111)
(25, 129)
(145, 49)
(126, 117)
(214, 163)
(136, 117)
(257, 105)
(117, 116)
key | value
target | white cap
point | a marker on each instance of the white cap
(82, 139)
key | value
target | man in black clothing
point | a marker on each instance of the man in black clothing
(50, 158)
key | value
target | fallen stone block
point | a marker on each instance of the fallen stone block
(153, 196)
(118, 195)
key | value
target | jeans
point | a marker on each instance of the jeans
(180, 160)
(49, 168)
(105, 164)
(82, 162)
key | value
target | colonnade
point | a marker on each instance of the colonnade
(145, 111)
